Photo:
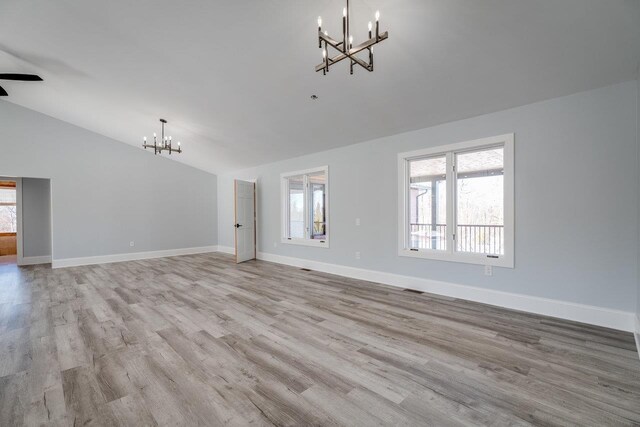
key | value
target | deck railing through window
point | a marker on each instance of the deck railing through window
(297, 229)
(474, 238)
(428, 236)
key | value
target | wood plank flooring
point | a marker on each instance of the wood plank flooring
(199, 340)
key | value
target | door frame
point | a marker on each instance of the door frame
(20, 257)
(255, 217)
(18, 181)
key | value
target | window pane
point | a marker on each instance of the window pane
(7, 219)
(8, 195)
(480, 201)
(317, 183)
(296, 207)
(427, 203)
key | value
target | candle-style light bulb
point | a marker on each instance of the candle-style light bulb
(350, 41)
(144, 138)
(344, 12)
(377, 15)
(178, 144)
(326, 33)
(319, 21)
(154, 134)
(370, 26)
(324, 53)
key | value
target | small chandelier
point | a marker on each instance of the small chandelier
(345, 47)
(164, 145)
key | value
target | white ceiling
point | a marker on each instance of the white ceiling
(234, 78)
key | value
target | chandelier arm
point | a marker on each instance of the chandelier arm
(360, 62)
(341, 57)
(362, 46)
(331, 61)
(369, 43)
(333, 42)
(350, 54)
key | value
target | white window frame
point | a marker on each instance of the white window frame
(284, 202)
(506, 260)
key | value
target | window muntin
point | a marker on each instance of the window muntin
(456, 202)
(305, 207)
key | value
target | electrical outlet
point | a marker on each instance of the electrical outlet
(132, 243)
(357, 255)
(488, 270)
(357, 222)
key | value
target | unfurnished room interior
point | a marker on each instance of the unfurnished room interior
(327, 213)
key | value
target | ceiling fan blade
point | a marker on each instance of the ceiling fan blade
(21, 77)
(3, 92)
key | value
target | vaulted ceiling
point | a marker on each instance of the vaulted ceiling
(234, 78)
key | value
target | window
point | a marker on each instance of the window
(305, 207)
(8, 217)
(456, 202)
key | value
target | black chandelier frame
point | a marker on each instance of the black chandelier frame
(164, 145)
(345, 47)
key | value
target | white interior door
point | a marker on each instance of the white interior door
(245, 227)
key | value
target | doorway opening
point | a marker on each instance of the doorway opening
(25, 221)
(8, 222)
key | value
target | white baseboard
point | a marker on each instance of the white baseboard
(227, 249)
(637, 333)
(105, 259)
(610, 318)
(34, 260)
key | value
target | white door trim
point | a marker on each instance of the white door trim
(237, 219)
(20, 257)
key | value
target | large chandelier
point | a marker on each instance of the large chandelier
(345, 48)
(165, 142)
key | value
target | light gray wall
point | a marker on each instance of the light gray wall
(638, 155)
(106, 193)
(36, 217)
(576, 200)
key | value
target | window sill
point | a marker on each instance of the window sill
(307, 242)
(501, 261)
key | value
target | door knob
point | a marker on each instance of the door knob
(238, 225)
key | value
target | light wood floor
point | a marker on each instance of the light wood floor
(8, 259)
(198, 340)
